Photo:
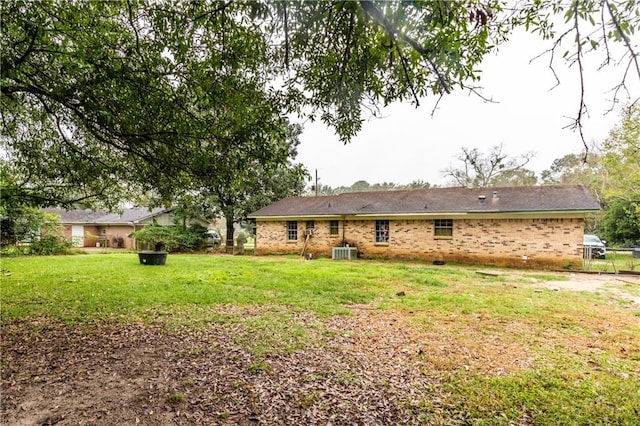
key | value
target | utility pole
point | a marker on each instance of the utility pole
(316, 182)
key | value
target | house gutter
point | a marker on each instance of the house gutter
(473, 214)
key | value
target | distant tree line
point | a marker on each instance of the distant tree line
(364, 186)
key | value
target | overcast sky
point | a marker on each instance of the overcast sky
(409, 144)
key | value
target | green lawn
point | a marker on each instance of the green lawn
(87, 287)
(115, 286)
(580, 350)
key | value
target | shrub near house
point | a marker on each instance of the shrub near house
(171, 238)
(30, 231)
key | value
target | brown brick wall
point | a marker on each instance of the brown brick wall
(513, 242)
(91, 235)
(112, 232)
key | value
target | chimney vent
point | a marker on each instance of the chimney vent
(482, 198)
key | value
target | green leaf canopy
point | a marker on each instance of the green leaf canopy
(110, 99)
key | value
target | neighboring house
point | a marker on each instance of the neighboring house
(517, 226)
(90, 228)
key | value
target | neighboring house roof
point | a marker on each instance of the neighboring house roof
(100, 217)
(433, 201)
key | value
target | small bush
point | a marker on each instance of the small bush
(155, 237)
(27, 230)
(241, 238)
(170, 238)
(48, 245)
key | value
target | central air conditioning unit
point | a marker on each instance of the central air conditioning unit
(346, 253)
(308, 231)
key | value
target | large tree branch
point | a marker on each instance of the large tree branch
(93, 160)
(47, 195)
(221, 8)
(122, 140)
(377, 15)
(10, 65)
(145, 152)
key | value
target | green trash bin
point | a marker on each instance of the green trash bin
(152, 257)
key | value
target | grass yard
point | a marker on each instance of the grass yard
(217, 339)
(614, 262)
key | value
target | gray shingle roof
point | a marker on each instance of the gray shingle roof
(103, 217)
(574, 198)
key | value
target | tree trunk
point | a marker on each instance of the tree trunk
(229, 244)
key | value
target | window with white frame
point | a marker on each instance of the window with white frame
(334, 227)
(443, 227)
(292, 230)
(382, 231)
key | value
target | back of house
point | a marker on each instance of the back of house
(539, 226)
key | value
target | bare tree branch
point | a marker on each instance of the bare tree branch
(582, 108)
(482, 170)
(286, 35)
(624, 36)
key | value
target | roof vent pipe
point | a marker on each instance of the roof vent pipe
(495, 195)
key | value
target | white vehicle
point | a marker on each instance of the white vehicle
(597, 246)
(213, 239)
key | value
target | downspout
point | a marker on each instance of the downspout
(135, 244)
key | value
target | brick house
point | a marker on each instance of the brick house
(91, 228)
(515, 226)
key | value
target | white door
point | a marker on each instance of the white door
(77, 235)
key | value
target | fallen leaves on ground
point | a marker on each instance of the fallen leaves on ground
(368, 368)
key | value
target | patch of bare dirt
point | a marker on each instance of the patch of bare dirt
(607, 283)
(369, 368)
(107, 374)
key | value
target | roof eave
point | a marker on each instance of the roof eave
(151, 215)
(476, 214)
